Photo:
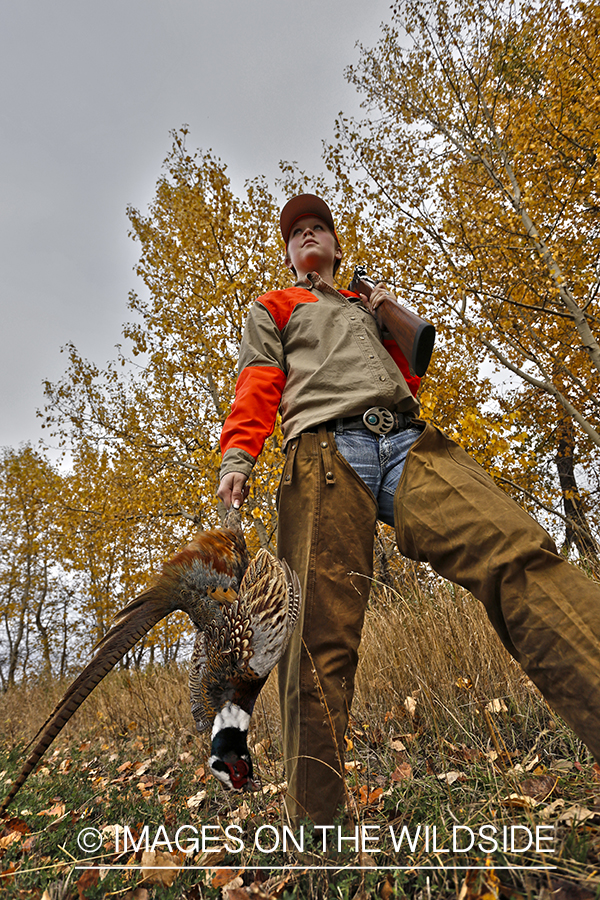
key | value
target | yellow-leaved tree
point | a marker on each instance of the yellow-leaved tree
(476, 163)
(143, 432)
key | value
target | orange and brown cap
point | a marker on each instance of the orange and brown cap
(304, 205)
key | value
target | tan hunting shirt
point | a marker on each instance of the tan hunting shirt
(314, 354)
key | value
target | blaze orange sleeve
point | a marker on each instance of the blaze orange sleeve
(254, 410)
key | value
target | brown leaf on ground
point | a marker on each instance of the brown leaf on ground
(539, 787)
(367, 797)
(519, 801)
(402, 772)
(9, 839)
(159, 868)
(57, 810)
(223, 877)
(30, 843)
(386, 889)
(16, 824)
(451, 777)
(87, 880)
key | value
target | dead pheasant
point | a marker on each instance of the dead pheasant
(244, 612)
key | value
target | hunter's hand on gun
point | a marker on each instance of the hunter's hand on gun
(379, 294)
(415, 336)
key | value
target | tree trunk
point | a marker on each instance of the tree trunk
(578, 531)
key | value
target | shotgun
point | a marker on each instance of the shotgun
(415, 336)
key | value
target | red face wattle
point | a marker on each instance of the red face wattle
(238, 772)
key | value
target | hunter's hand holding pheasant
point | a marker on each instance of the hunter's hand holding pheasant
(244, 612)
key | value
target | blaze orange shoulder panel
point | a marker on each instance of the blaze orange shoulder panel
(281, 304)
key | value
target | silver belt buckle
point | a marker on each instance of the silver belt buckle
(378, 419)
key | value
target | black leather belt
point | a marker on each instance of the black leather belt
(376, 419)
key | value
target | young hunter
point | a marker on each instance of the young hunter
(316, 354)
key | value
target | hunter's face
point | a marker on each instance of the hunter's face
(311, 247)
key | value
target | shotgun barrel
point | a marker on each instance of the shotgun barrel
(415, 336)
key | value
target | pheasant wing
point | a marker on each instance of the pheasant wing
(270, 598)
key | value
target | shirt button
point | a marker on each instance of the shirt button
(382, 377)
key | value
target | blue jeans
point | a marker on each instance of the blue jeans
(379, 460)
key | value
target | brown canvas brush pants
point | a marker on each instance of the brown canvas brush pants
(449, 513)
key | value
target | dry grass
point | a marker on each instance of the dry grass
(433, 642)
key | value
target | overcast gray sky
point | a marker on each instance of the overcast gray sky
(90, 92)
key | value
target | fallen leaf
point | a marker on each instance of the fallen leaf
(8, 875)
(519, 801)
(386, 891)
(397, 745)
(197, 800)
(410, 704)
(549, 810)
(211, 857)
(496, 706)
(575, 814)
(87, 880)
(224, 877)
(368, 798)
(563, 765)
(159, 868)
(57, 810)
(451, 777)
(10, 839)
(538, 787)
(16, 824)
(402, 772)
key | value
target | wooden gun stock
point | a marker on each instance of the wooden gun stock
(415, 336)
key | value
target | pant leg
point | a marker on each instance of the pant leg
(325, 531)
(449, 513)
